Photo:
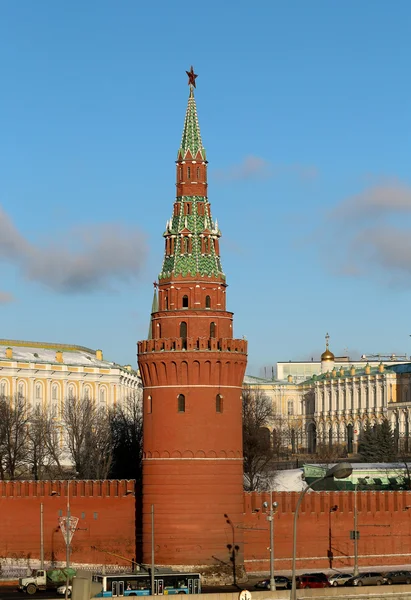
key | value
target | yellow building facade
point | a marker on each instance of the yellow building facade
(46, 374)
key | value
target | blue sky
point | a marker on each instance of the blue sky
(305, 114)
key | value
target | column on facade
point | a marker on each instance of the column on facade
(47, 399)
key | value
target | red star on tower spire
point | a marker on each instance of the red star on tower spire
(191, 77)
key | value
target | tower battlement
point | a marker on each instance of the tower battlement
(203, 344)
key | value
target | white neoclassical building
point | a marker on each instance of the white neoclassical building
(46, 374)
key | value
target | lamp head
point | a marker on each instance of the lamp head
(275, 504)
(339, 471)
(265, 504)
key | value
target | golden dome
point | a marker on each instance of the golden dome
(327, 356)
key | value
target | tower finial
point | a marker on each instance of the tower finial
(191, 78)
(327, 340)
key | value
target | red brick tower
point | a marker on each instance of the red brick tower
(192, 372)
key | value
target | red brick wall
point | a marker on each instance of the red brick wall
(106, 511)
(384, 526)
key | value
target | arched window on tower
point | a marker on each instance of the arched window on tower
(206, 245)
(180, 173)
(158, 331)
(189, 173)
(166, 302)
(181, 403)
(149, 405)
(219, 403)
(208, 302)
(200, 209)
(185, 245)
(198, 173)
(185, 301)
(212, 330)
(38, 391)
(183, 333)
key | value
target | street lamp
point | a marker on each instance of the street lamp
(330, 550)
(339, 471)
(270, 517)
(356, 533)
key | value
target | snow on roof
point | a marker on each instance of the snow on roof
(289, 480)
(75, 356)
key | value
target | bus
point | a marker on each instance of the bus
(139, 584)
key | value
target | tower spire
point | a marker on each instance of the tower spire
(191, 142)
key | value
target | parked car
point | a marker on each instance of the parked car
(62, 590)
(367, 579)
(321, 576)
(281, 583)
(311, 581)
(398, 577)
(339, 578)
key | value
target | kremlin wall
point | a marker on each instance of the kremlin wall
(106, 528)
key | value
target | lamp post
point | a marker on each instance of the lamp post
(270, 517)
(356, 570)
(330, 550)
(68, 540)
(152, 551)
(339, 471)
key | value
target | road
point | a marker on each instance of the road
(11, 593)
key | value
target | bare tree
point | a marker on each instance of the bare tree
(257, 447)
(14, 418)
(127, 439)
(87, 438)
(36, 455)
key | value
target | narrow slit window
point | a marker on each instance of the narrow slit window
(183, 330)
(189, 173)
(219, 403)
(198, 173)
(181, 403)
(149, 405)
(212, 330)
(208, 302)
(185, 301)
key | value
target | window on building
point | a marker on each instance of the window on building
(181, 403)
(38, 391)
(290, 407)
(208, 302)
(206, 245)
(180, 173)
(185, 245)
(54, 409)
(183, 330)
(71, 392)
(102, 395)
(54, 392)
(21, 390)
(187, 208)
(2, 389)
(149, 405)
(188, 173)
(166, 302)
(86, 393)
(212, 330)
(219, 403)
(185, 301)
(198, 173)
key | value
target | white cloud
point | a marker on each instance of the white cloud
(6, 298)
(255, 167)
(369, 234)
(84, 259)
